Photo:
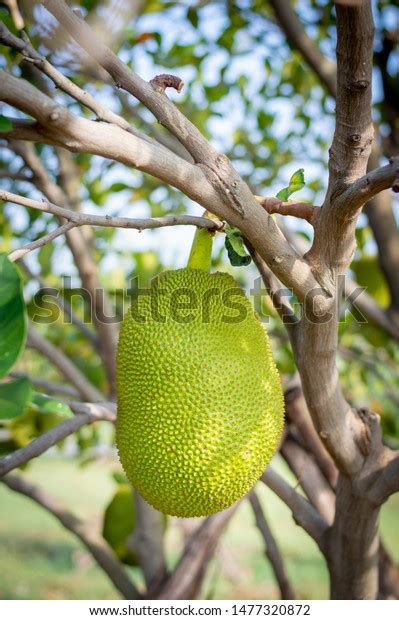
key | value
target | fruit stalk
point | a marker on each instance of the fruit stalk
(201, 249)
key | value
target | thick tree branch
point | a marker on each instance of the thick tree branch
(95, 544)
(57, 126)
(155, 101)
(80, 219)
(65, 366)
(379, 210)
(102, 113)
(40, 445)
(303, 512)
(271, 549)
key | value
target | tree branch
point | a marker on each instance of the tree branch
(61, 230)
(80, 219)
(334, 239)
(303, 512)
(230, 198)
(302, 210)
(297, 37)
(273, 286)
(310, 477)
(56, 125)
(387, 483)
(95, 544)
(102, 113)
(366, 187)
(271, 549)
(298, 414)
(65, 366)
(157, 102)
(36, 447)
(186, 578)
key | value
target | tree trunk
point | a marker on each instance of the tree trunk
(353, 545)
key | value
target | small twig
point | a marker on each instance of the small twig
(81, 219)
(96, 545)
(303, 210)
(61, 230)
(166, 80)
(36, 447)
(65, 366)
(271, 549)
(303, 512)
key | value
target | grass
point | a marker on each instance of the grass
(41, 560)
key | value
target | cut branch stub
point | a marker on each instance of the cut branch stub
(166, 80)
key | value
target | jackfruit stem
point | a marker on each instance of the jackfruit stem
(201, 249)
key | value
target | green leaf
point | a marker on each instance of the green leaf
(12, 315)
(5, 123)
(283, 194)
(48, 404)
(236, 251)
(234, 236)
(297, 182)
(14, 397)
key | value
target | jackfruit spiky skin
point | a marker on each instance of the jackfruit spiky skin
(200, 404)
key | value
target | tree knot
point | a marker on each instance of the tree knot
(369, 435)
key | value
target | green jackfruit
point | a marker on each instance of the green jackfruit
(200, 405)
(119, 522)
